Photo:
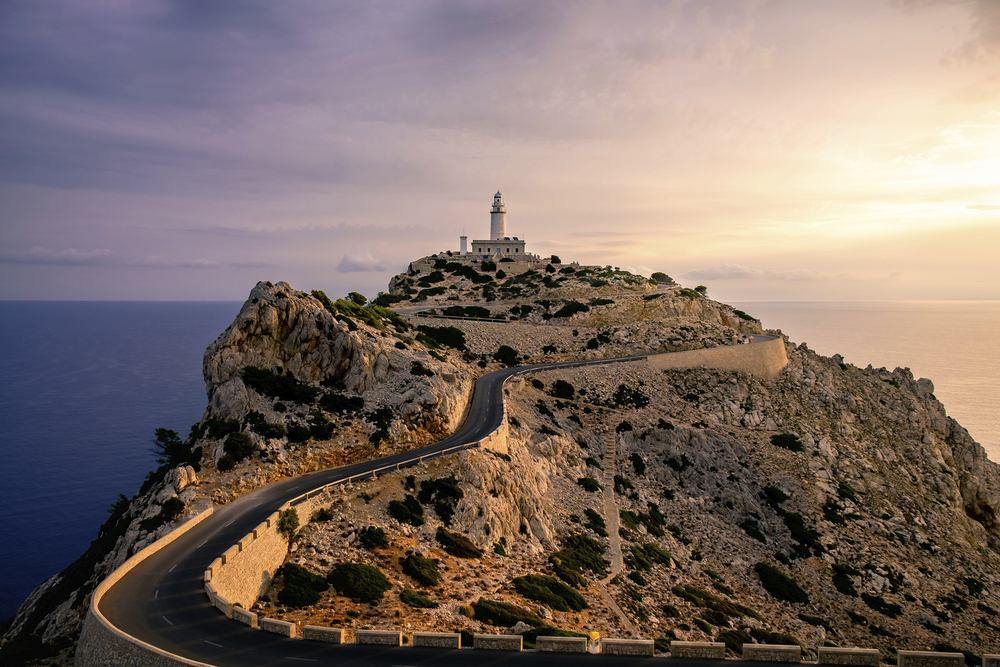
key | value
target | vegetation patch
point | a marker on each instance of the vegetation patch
(571, 308)
(456, 544)
(579, 553)
(359, 582)
(788, 441)
(373, 537)
(417, 600)
(589, 484)
(423, 570)
(434, 337)
(443, 494)
(549, 591)
(878, 603)
(284, 387)
(504, 614)
(595, 522)
(778, 584)
(407, 510)
(302, 587)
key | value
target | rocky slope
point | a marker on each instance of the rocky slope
(852, 483)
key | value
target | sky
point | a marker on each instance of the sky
(770, 150)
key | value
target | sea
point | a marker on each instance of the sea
(83, 386)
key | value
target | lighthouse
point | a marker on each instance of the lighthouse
(498, 218)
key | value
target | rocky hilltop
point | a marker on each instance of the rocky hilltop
(831, 505)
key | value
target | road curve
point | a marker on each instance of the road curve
(162, 601)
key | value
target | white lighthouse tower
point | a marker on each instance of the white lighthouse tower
(498, 218)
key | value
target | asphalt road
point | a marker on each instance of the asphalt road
(162, 601)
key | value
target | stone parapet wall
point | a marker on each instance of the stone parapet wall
(627, 646)
(772, 653)
(103, 645)
(562, 644)
(930, 659)
(870, 657)
(764, 359)
(498, 642)
(698, 650)
(437, 640)
(991, 660)
(245, 574)
(283, 628)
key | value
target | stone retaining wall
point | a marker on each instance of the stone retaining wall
(320, 634)
(562, 644)
(103, 645)
(627, 646)
(764, 359)
(869, 657)
(930, 659)
(378, 637)
(700, 650)
(772, 653)
(245, 570)
(498, 642)
(437, 640)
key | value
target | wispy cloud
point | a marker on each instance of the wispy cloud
(737, 272)
(354, 263)
(66, 257)
(984, 207)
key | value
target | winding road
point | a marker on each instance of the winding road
(162, 601)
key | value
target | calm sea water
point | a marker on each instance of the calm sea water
(954, 343)
(84, 384)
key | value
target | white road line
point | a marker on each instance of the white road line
(230, 523)
(213, 644)
(156, 593)
(172, 569)
(166, 619)
(202, 544)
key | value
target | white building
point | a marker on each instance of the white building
(499, 245)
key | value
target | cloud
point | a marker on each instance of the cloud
(984, 207)
(355, 263)
(737, 272)
(66, 257)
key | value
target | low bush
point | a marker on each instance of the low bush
(638, 464)
(284, 387)
(571, 308)
(373, 537)
(407, 510)
(734, 640)
(423, 570)
(787, 441)
(504, 614)
(415, 599)
(341, 403)
(596, 522)
(751, 527)
(778, 584)
(456, 544)
(323, 514)
(302, 587)
(359, 582)
(507, 356)
(437, 336)
(444, 494)
(842, 579)
(563, 389)
(417, 368)
(589, 484)
(549, 591)
(238, 445)
(579, 553)
(288, 523)
(878, 603)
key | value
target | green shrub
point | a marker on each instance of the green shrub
(359, 582)
(504, 614)
(662, 278)
(548, 430)
(456, 544)
(437, 336)
(444, 494)
(591, 461)
(226, 463)
(284, 387)
(622, 484)
(878, 603)
(341, 403)
(323, 514)
(702, 598)
(579, 553)
(302, 587)
(297, 596)
(563, 389)
(596, 522)
(819, 622)
(625, 396)
(507, 356)
(751, 527)
(778, 585)
(670, 611)
(373, 537)
(423, 570)
(571, 308)
(734, 640)
(415, 599)
(589, 484)
(638, 464)
(549, 591)
(172, 508)
(238, 445)
(417, 368)
(406, 511)
(288, 523)
(787, 441)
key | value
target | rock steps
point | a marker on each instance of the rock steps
(615, 545)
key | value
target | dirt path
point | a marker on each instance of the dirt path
(611, 518)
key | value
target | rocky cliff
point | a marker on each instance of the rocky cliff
(832, 504)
